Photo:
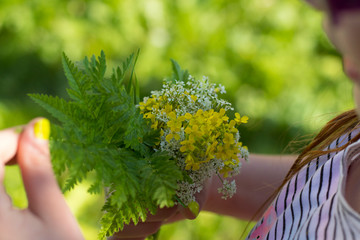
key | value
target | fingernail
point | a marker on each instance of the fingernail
(42, 129)
(194, 208)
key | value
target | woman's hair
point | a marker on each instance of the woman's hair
(335, 128)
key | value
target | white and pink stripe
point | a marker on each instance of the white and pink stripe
(312, 205)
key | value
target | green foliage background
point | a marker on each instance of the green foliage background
(271, 55)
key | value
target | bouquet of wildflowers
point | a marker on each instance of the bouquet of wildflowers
(196, 132)
(148, 154)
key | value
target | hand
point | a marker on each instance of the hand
(163, 216)
(47, 216)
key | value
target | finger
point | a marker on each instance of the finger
(44, 195)
(8, 147)
(162, 214)
(5, 200)
(116, 238)
(8, 144)
(191, 211)
(139, 231)
(144, 229)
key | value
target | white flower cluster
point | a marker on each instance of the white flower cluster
(228, 189)
(181, 94)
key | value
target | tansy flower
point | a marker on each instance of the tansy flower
(175, 123)
(239, 119)
(188, 145)
(170, 136)
(194, 131)
(228, 139)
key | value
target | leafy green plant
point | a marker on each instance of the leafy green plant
(101, 130)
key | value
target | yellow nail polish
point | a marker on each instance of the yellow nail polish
(42, 129)
(194, 208)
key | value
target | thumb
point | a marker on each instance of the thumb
(43, 193)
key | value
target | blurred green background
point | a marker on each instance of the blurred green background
(271, 55)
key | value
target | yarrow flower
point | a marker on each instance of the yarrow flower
(197, 132)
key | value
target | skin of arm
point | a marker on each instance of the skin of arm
(258, 179)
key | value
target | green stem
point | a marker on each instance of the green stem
(178, 199)
(222, 181)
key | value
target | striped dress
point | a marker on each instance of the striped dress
(312, 204)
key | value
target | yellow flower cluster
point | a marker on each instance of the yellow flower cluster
(203, 135)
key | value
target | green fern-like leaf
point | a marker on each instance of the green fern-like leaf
(75, 78)
(99, 129)
(179, 74)
(56, 106)
(161, 175)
